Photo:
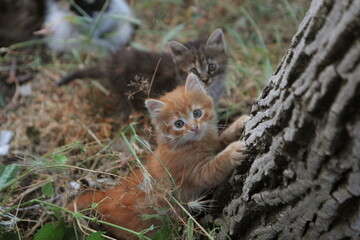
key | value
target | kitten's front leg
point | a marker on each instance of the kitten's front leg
(216, 170)
(233, 132)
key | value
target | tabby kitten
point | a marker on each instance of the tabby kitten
(206, 59)
(136, 75)
(190, 150)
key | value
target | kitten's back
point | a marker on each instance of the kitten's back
(134, 75)
(140, 74)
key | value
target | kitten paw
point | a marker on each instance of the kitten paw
(239, 125)
(234, 131)
(237, 152)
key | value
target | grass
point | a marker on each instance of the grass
(68, 136)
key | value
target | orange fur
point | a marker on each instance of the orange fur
(192, 154)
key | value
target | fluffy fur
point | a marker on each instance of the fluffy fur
(128, 67)
(191, 152)
(65, 32)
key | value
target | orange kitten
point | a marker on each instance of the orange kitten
(190, 149)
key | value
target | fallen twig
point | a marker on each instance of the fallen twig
(41, 220)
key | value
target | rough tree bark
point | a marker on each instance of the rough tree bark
(302, 180)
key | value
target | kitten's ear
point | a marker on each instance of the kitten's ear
(177, 49)
(194, 84)
(217, 40)
(154, 106)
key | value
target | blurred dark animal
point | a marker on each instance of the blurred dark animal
(19, 19)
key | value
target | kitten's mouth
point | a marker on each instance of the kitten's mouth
(206, 81)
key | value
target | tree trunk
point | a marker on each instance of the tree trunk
(302, 180)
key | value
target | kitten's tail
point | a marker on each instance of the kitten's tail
(87, 200)
(88, 72)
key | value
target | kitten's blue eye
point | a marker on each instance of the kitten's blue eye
(197, 113)
(179, 123)
(212, 67)
(195, 71)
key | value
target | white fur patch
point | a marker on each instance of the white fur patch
(61, 31)
(65, 33)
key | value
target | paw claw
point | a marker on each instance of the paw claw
(237, 150)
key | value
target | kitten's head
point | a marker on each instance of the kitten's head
(206, 59)
(184, 115)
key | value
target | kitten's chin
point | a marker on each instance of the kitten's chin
(198, 136)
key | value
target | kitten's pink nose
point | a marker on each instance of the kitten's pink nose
(195, 128)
